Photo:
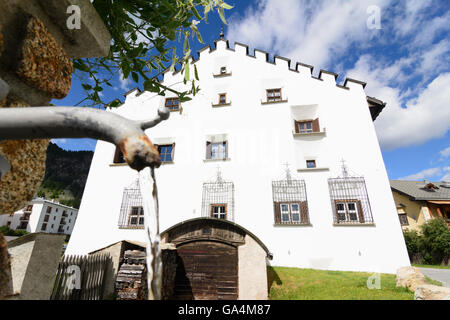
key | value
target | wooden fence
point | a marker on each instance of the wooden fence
(81, 277)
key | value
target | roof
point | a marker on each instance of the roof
(375, 105)
(416, 189)
(220, 221)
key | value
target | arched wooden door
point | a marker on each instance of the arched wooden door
(206, 270)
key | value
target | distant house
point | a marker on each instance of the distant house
(420, 201)
(41, 215)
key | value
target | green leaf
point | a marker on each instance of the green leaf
(196, 72)
(135, 76)
(186, 71)
(221, 14)
(227, 6)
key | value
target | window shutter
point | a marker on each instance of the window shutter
(304, 212)
(173, 151)
(360, 212)
(226, 149)
(316, 126)
(277, 212)
(208, 150)
(296, 127)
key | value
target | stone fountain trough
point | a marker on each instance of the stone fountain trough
(36, 48)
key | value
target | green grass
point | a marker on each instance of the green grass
(310, 284)
(434, 282)
(430, 266)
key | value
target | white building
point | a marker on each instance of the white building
(226, 156)
(41, 215)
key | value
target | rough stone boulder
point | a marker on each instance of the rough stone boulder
(431, 292)
(410, 277)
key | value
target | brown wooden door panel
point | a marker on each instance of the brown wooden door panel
(206, 270)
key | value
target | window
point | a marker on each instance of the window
(285, 213)
(118, 156)
(46, 218)
(166, 152)
(218, 199)
(173, 104)
(304, 127)
(219, 211)
(307, 126)
(29, 208)
(290, 213)
(8, 223)
(131, 211)
(349, 200)
(216, 151)
(347, 211)
(222, 98)
(403, 219)
(310, 164)
(273, 95)
(49, 209)
(136, 216)
(223, 70)
(44, 227)
(290, 201)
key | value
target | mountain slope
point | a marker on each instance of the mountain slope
(65, 175)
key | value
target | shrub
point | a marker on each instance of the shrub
(431, 245)
(413, 242)
(436, 241)
(6, 231)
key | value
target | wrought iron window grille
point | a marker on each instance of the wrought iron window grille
(131, 210)
(217, 195)
(290, 201)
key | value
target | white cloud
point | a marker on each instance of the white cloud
(59, 141)
(309, 31)
(125, 84)
(424, 118)
(446, 176)
(445, 153)
(424, 174)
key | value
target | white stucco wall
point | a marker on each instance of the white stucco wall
(260, 141)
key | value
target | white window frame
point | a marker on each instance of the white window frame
(220, 215)
(347, 211)
(138, 216)
(221, 150)
(305, 127)
(283, 212)
(296, 213)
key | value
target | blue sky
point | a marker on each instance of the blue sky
(403, 53)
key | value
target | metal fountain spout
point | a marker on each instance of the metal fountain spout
(76, 122)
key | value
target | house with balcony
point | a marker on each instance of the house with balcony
(267, 157)
(42, 215)
(419, 201)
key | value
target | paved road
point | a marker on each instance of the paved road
(442, 275)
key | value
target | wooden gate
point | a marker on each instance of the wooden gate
(81, 277)
(206, 270)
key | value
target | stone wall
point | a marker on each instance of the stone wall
(35, 67)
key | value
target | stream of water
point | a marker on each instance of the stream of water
(149, 192)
